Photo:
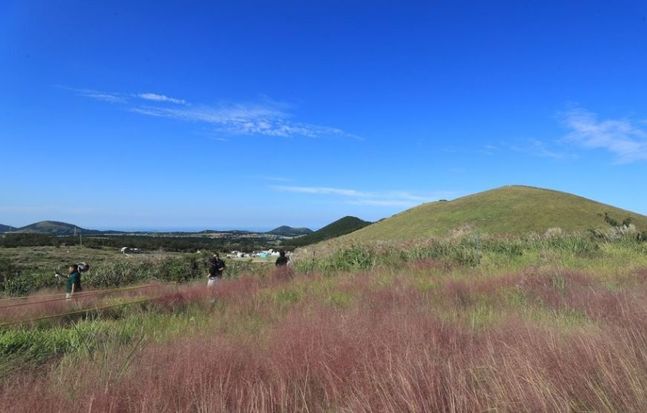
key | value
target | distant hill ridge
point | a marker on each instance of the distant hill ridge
(54, 228)
(63, 228)
(6, 228)
(342, 226)
(287, 231)
(509, 210)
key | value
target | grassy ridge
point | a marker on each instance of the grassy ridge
(342, 226)
(511, 210)
(288, 231)
(55, 228)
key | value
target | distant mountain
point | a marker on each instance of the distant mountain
(54, 228)
(6, 228)
(342, 226)
(509, 210)
(286, 231)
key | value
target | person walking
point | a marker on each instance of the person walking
(216, 268)
(73, 282)
(283, 264)
(282, 260)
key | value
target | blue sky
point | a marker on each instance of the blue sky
(162, 114)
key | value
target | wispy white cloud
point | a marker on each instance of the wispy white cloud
(626, 141)
(156, 97)
(533, 147)
(102, 96)
(541, 149)
(267, 118)
(403, 199)
(538, 148)
(275, 178)
(245, 119)
(117, 97)
(383, 203)
(320, 190)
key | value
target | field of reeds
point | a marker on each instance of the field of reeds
(24, 270)
(544, 324)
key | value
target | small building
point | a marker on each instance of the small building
(130, 250)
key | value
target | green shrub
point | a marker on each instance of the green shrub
(24, 283)
(8, 271)
(116, 274)
(355, 257)
(642, 236)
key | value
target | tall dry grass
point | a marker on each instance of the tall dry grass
(393, 349)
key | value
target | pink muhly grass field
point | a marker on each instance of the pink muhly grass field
(391, 350)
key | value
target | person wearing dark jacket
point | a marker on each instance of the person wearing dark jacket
(216, 268)
(73, 282)
(282, 260)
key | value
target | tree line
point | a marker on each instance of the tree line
(144, 242)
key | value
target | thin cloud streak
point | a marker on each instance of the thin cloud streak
(242, 119)
(378, 198)
(108, 97)
(269, 118)
(275, 178)
(320, 190)
(627, 142)
(383, 203)
(541, 149)
(156, 97)
(115, 97)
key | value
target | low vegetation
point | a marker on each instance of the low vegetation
(510, 211)
(179, 243)
(472, 251)
(25, 270)
(551, 323)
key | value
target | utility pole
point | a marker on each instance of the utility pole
(80, 235)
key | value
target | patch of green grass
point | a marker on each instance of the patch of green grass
(287, 297)
(339, 299)
(507, 210)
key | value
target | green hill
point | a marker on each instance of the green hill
(6, 228)
(342, 226)
(510, 210)
(54, 228)
(287, 231)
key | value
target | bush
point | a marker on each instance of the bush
(28, 240)
(180, 269)
(354, 258)
(118, 273)
(642, 236)
(7, 271)
(24, 283)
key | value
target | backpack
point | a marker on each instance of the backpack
(214, 267)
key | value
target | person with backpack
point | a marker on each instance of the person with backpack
(73, 279)
(282, 260)
(283, 266)
(73, 282)
(216, 268)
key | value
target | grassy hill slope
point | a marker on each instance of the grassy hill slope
(287, 231)
(509, 210)
(54, 228)
(338, 228)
